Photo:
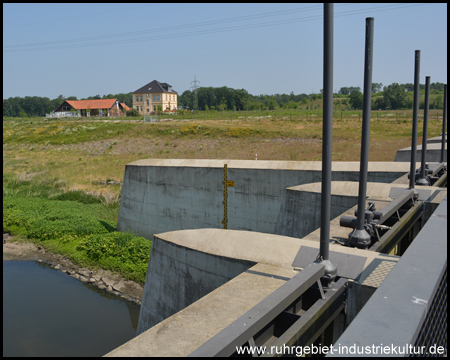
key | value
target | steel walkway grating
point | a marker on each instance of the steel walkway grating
(434, 328)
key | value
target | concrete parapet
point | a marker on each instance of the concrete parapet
(299, 215)
(379, 194)
(178, 275)
(166, 195)
(433, 153)
(437, 139)
(182, 333)
(272, 256)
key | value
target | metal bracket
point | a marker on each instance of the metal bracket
(226, 184)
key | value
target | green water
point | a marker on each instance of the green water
(48, 313)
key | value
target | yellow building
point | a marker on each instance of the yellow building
(148, 98)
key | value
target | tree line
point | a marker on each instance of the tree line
(393, 97)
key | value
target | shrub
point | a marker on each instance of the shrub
(79, 196)
(133, 112)
(116, 250)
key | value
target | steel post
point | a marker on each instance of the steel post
(412, 173)
(423, 173)
(360, 237)
(330, 268)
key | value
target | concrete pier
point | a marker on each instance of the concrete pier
(189, 328)
(299, 216)
(201, 278)
(434, 148)
(166, 195)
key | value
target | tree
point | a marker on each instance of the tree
(186, 99)
(437, 86)
(394, 96)
(379, 104)
(271, 104)
(407, 87)
(292, 104)
(356, 100)
(377, 87)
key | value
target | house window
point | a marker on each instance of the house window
(158, 97)
(137, 108)
(137, 98)
(141, 98)
(148, 111)
(141, 108)
(147, 103)
(154, 108)
(154, 98)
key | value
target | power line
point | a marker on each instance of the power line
(171, 28)
(65, 18)
(23, 47)
(195, 92)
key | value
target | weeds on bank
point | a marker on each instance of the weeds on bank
(77, 225)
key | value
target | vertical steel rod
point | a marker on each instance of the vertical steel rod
(327, 130)
(423, 180)
(412, 173)
(365, 127)
(444, 121)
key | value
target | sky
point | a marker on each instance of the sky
(82, 49)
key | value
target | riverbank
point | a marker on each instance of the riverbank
(103, 279)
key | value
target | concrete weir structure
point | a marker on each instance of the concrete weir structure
(434, 148)
(168, 195)
(202, 278)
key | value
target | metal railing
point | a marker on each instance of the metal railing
(297, 312)
(408, 312)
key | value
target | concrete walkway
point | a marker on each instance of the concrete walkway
(185, 331)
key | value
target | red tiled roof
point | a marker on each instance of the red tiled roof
(125, 106)
(92, 104)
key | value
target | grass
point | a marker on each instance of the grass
(83, 154)
(56, 172)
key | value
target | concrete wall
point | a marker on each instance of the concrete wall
(306, 201)
(178, 276)
(166, 195)
(434, 149)
(207, 257)
(433, 153)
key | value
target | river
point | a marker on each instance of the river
(48, 313)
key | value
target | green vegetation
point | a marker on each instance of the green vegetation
(394, 96)
(61, 178)
(74, 224)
